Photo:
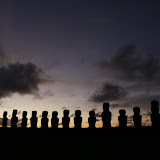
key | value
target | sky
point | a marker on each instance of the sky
(57, 55)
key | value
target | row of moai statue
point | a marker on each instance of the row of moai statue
(106, 118)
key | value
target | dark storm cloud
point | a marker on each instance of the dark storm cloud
(140, 72)
(108, 92)
(20, 78)
(126, 64)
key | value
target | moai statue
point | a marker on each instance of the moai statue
(122, 118)
(5, 119)
(54, 119)
(106, 116)
(14, 119)
(92, 119)
(155, 116)
(65, 119)
(77, 119)
(137, 118)
(44, 120)
(34, 119)
(24, 119)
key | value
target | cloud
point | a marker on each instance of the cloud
(114, 105)
(94, 109)
(72, 115)
(20, 78)
(147, 114)
(98, 114)
(127, 64)
(2, 103)
(42, 95)
(130, 119)
(108, 92)
(64, 108)
(147, 120)
(142, 100)
(3, 57)
(140, 72)
(19, 112)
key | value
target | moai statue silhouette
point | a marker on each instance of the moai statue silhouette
(106, 116)
(137, 118)
(122, 118)
(155, 116)
(77, 119)
(44, 120)
(65, 119)
(14, 119)
(54, 119)
(92, 119)
(34, 119)
(4, 120)
(24, 119)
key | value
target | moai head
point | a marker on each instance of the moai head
(34, 113)
(92, 113)
(155, 106)
(44, 114)
(154, 103)
(4, 114)
(77, 113)
(66, 113)
(106, 106)
(24, 114)
(122, 112)
(54, 114)
(136, 110)
(14, 113)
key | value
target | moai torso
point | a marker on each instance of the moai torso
(5, 119)
(155, 116)
(44, 120)
(34, 119)
(65, 119)
(24, 119)
(92, 119)
(106, 116)
(77, 119)
(137, 118)
(54, 120)
(122, 119)
(14, 119)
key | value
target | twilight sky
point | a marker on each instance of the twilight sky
(57, 55)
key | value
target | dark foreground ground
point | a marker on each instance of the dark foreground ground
(72, 144)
